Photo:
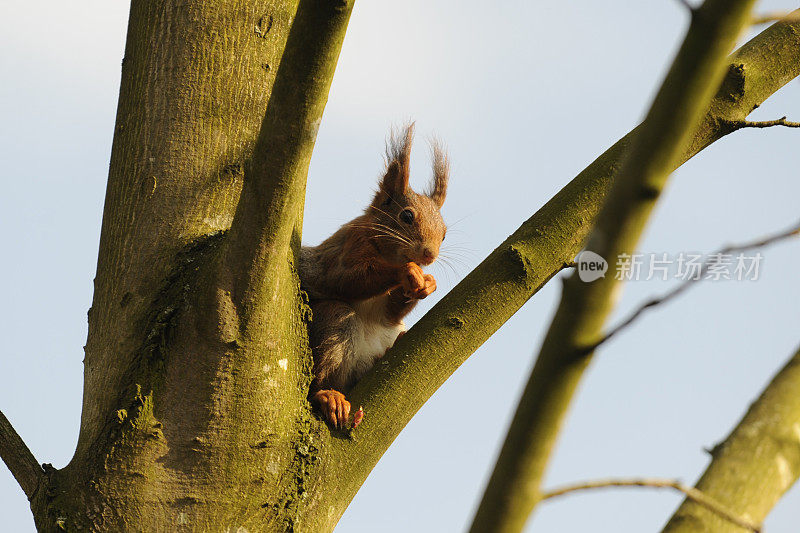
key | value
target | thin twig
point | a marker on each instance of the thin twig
(764, 123)
(705, 266)
(691, 493)
(689, 7)
(778, 16)
(19, 459)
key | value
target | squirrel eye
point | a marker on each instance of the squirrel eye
(407, 216)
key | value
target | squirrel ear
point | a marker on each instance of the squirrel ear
(441, 173)
(398, 154)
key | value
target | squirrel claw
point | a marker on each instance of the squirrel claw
(358, 417)
(335, 408)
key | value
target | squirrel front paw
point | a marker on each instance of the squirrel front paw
(416, 284)
(335, 408)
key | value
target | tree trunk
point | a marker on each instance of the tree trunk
(194, 413)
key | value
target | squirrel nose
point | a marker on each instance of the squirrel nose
(428, 254)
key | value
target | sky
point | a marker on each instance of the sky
(525, 95)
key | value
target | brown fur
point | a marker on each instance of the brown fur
(366, 277)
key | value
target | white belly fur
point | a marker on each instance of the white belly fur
(373, 334)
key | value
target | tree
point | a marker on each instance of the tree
(189, 315)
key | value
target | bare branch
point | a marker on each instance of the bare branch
(677, 111)
(691, 493)
(778, 16)
(715, 258)
(756, 464)
(689, 7)
(739, 124)
(19, 459)
(268, 218)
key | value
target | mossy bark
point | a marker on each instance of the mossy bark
(197, 364)
(195, 414)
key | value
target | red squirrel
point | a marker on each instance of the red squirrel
(366, 277)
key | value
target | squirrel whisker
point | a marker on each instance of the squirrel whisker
(383, 230)
(398, 230)
(379, 210)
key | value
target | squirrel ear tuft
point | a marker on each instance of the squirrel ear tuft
(441, 173)
(398, 155)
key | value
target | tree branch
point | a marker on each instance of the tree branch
(268, 218)
(691, 494)
(682, 287)
(19, 459)
(779, 16)
(422, 360)
(739, 124)
(685, 95)
(688, 6)
(192, 98)
(756, 464)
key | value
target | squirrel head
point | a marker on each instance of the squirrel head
(408, 226)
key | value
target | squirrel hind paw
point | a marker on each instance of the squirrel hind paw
(334, 407)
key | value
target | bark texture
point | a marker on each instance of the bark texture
(194, 412)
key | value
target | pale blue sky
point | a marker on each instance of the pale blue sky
(525, 94)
